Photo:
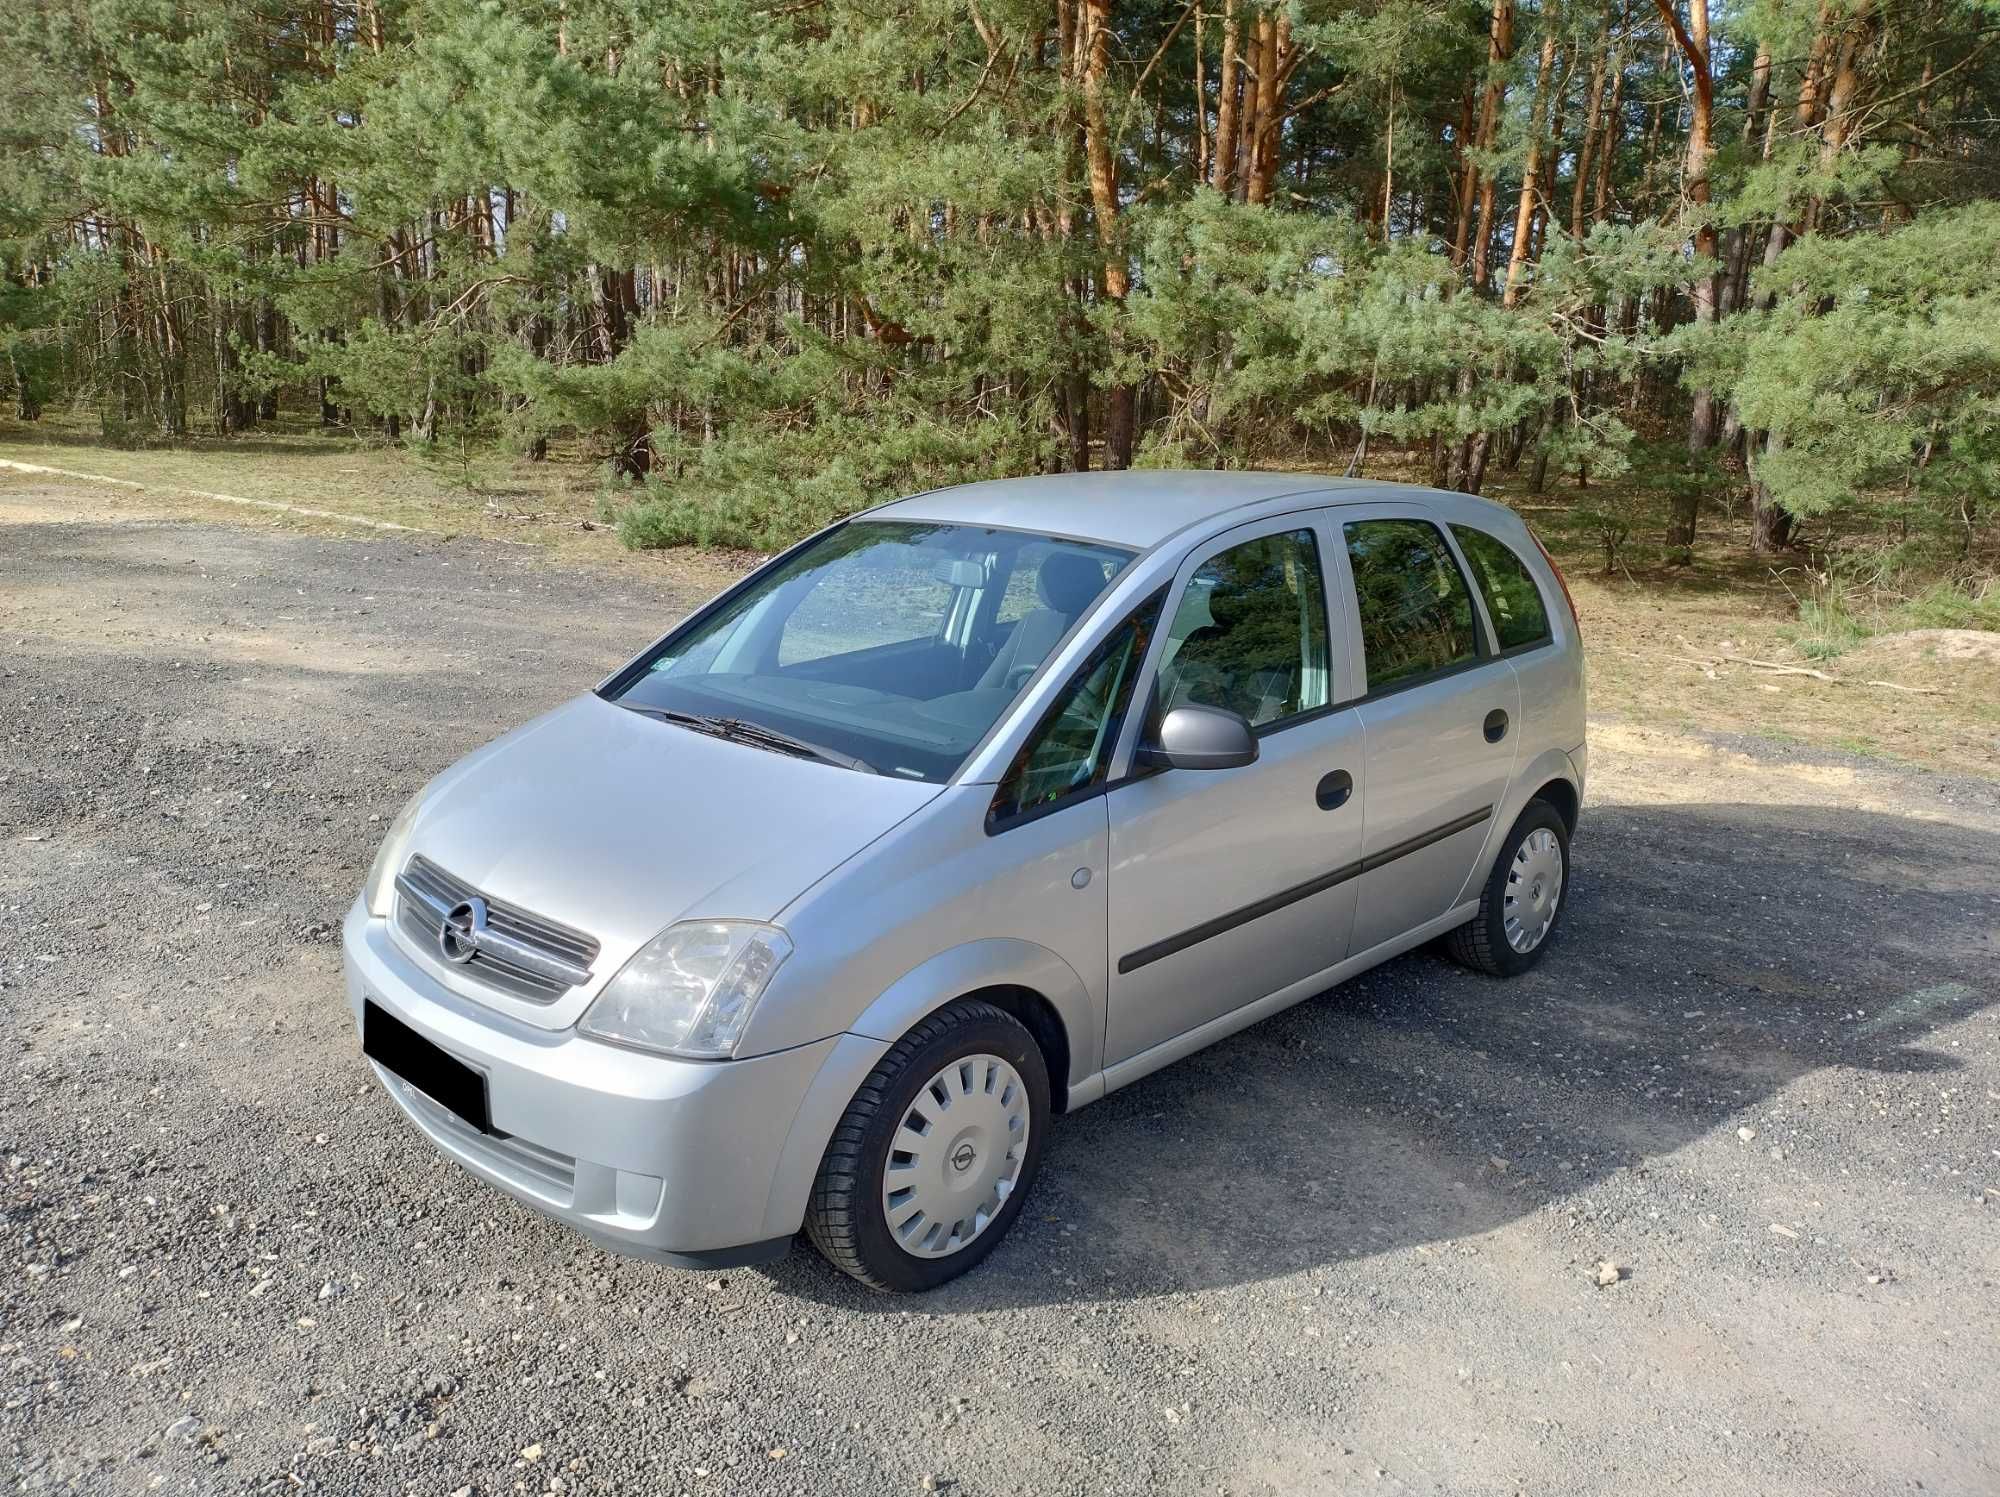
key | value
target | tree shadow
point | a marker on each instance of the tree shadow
(1710, 956)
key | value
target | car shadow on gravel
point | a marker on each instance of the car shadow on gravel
(1710, 956)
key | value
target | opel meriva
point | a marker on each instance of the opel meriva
(952, 819)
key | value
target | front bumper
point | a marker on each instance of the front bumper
(695, 1163)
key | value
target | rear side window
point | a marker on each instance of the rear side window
(1512, 599)
(1416, 612)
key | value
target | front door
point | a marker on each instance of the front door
(1441, 714)
(1230, 884)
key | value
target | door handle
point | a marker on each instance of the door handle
(1496, 725)
(1333, 790)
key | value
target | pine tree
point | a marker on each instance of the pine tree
(772, 264)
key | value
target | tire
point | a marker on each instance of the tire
(1519, 883)
(863, 1223)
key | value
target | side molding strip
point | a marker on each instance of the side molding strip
(1271, 904)
(1424, 839)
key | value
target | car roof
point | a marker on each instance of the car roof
(1138, 508)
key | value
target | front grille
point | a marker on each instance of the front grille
(425, 893)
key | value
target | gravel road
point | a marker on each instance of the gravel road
(1362, 1245)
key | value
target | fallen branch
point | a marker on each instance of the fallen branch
(1779, 668)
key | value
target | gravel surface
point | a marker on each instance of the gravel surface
(1710, 1201)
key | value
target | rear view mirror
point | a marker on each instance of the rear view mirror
(1200, 738)
(960, 573)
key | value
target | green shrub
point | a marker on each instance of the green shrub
(1951, 605)
(1834, 615)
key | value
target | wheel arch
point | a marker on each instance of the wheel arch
(1561, 793)
(1021, 978)
(1038, 1016)
(1549, 776)
(1028, 981)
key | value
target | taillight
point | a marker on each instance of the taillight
(1561, 581)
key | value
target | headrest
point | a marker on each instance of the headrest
(1229, 603)
(1069, 582)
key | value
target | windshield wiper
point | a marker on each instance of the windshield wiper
(784, 743)
(755, 734)
(709, 725)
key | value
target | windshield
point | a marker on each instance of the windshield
(894, 644)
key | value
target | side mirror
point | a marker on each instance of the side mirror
(1200, 738)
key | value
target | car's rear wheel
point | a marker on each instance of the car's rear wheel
(934, 1156)
(1522, 899)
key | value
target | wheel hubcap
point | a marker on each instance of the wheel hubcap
(1534, 890)
(956, 1156)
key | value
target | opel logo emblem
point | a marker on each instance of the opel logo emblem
(459, 932)
(962, 1157)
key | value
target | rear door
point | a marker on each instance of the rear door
(1440, 710)
(1230, 884)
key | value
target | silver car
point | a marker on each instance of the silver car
(952, 819)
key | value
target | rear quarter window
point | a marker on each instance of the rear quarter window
(1513, 601)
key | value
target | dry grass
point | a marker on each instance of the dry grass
(550, 505)
(1657, 640)
(1656, 655)
(1655, 637)
(331, 472)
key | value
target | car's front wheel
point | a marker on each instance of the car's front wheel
(1522, 898)
(934, 1156)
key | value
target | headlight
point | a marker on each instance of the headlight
(381, 885)
(690, 989)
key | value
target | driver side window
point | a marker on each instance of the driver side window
(1070, 750)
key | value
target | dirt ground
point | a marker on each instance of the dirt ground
(1358, 1246)
(1676, 653)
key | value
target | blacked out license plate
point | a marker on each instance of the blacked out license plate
(439, 1075)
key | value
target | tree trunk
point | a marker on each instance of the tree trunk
(1614, 131)
(617, 299)
(1770, 522)
(1274, 64)
(1222, 165)
(1531, 171)
(1201, 156)
(232, 410)
(1475, 462)
(1838, 128)
(267, 343)
(1500, 48)
(1587, 145)
(1094, 47)
(1552, 146)
(1736, 252)
(1244, 147)
(1691, 39)
(1076, 396)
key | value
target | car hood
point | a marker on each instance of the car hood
(618, 824)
